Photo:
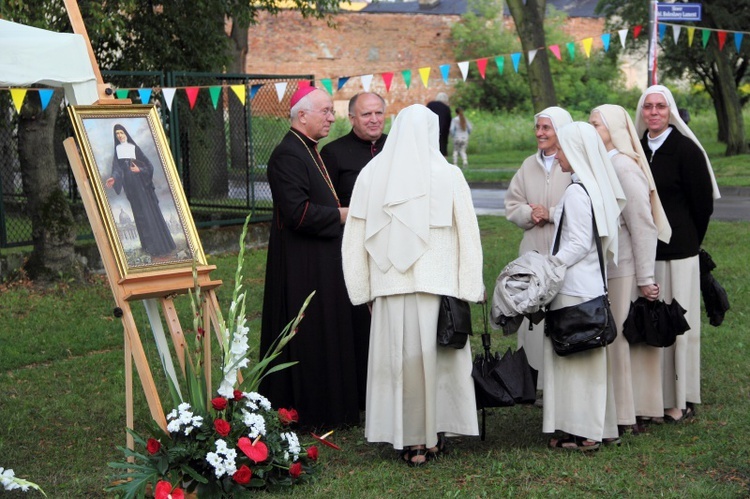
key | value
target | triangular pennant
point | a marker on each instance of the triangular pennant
(482, 66)
(531, 55)
(571, 50)
(240, 91)
(18, 95)
(586, 43)
(328, 84)
(722, 39)
(676, 33)
(366, 82)
(464, 67)
(662, 30)
(303, 83)
(168, 94)
(516, 58)
(424, 74)
(254, 90)
(122, 93)
(555, 49)
(605, 41)
(342, 82)
(738, 41)
(45, 94)
(691, 32)
(637, 31)
(280, 89)
(192, 95)
(623, 34)
(214, 92)
(145, 95)
(445, 71)
(406, 73)
(500, 61)
(387, 80)
(705, 35)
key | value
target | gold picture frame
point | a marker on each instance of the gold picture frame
(137, 189)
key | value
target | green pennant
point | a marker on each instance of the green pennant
(122, 93)
(500, 61)
(328, 84)
(705, 35)
(215, 92)
(571, 50)
(407, 77)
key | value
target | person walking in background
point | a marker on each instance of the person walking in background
(345, 157)
(687, 188)
(530, 203)
(412, 236)
(460, 130)
(636, 369)
(440, 107)
(304, 255)
(578, 396)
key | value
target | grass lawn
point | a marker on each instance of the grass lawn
(63, 409)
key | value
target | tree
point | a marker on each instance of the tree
(720, 72)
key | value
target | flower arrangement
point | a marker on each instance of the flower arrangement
(235, 442)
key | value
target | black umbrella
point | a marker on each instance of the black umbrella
(715, 297)
(654, 322)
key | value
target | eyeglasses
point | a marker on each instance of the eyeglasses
(659, 107)
(326, 111)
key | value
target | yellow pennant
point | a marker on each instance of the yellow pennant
(691, 32)
(424, 73)
(240, 91)
(18, 94)
(586, 42)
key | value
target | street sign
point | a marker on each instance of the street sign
(679, 12)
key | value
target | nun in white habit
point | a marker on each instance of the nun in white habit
(410, 237)
(578, 392)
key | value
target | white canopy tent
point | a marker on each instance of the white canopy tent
(31, 55)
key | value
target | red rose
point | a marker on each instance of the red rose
(237, 395)
(295, 470)
(243, 475)
(153, 446)
(312, 453)
(222, 427)
(287, 416)
(219, 403)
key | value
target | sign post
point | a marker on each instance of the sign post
(674, 12)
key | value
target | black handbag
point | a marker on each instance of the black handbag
(584, 326)
(454, 322)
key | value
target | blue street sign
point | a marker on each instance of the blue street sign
(679, 12)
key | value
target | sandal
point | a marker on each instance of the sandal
(409, 455)
(687, 413)
(616, 442)
(440, 449)
(571, 442)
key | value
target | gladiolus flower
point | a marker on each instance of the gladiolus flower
(219, 403)
(295, 470)
(243, 475)
(164, 491)
(153, 446)
(312, 453)
(288, 416)
(222, 427)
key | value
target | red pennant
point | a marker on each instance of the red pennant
(482, 65)
(192, 95)
(722, 39)
(555, 49)
(303, 83)
(387, 79)
(637, 31)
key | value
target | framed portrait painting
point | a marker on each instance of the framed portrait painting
(136, 187)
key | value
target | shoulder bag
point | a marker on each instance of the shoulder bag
(454, 322)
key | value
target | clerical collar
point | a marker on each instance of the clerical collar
(547, 161)
(656, 142)
(303, 136)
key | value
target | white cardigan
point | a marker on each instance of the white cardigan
(451, 266)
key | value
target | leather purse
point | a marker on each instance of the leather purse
(586, 325)
(454, 322)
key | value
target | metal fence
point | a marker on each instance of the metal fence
(220, 146)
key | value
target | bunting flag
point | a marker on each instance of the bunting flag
(240, 91)
(45, 94)
(662, 30)
(738, 41)
(366, 82)
(571, 50)
(555, 49)
(705, 35)
(605, 41)
(192, 95)
(280, 89)
(387, 79)
(18, 95)
(722, 39)
(303, 83)
(637, 31)
(500, 61)
(168, 94)
(586, 43)
(623, 33)
(676, 33)
(406, 73)
(254, 90)
(691, 32)
(121, 93)
(516, 58)
(531, 55)
(342, 82)
(482, 67)
(464, 67)
(328, 84)
(445, 71)
(214, 92)
(424, 74)
(145, 95)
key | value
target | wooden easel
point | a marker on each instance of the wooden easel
(163, 285)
